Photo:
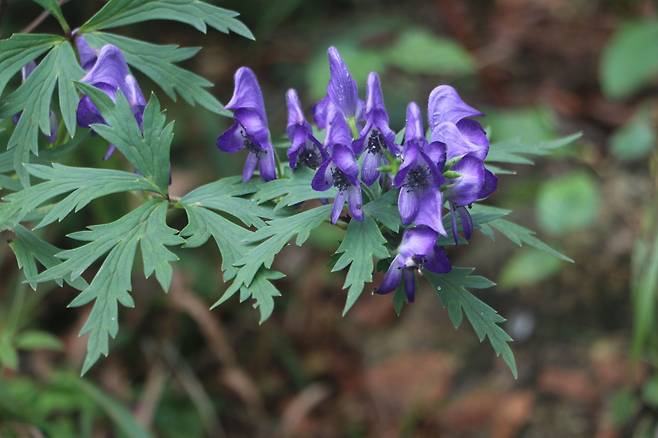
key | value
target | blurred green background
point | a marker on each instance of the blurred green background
(585, 333)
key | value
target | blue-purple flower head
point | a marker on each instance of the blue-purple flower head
(304, 149)
(466, 146)
(376, 139)
(417, 251)
(340, 170)
(249, 130)
(419, 178)
(108, 71)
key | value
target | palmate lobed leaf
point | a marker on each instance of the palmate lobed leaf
(55, 9)
(291, 190)
(519, 152)
(157, 62)
(363, 242)
(145, 227)
(452, 289)
(82, 185)
(148, 148)
(33, 99)
(193, 12)
(20, 49)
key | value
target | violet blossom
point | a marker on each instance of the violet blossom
(304, 148)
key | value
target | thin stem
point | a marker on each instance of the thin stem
(39, 19)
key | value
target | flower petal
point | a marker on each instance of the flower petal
(409, 284)
(409, 160)
(110, 68)
(133, 93)
(231, 140)
(391, 278)
(466, 188)
(87, 114)
(295, 113)
(467, 222)
(489, 186)
(344, 159)
(417, 241)
(445, 105)
(298, 140)
(266, 164)
(430, 211)
(339, 202)
(320, 111)
(86, 53)
(437, 261)
(27, 70)
(249, 166)
(355, 202)
(407, 205)
(342, 89)
(473, 131)
(338, 132)
(414, 130)
(374, 95)
(456, 143)
(247, 93)
(322, 178)
(370, 167)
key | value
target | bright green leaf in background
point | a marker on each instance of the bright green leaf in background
(630, 60)
(528, 267)
(636, 139)
(568, 203)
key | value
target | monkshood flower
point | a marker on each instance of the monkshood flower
(417, 251)
(419, 178)
(376, 136)
(108, 72)
(249, 129)
(340, 170)
(304, 149)
(342, 93)
(86, 53)
(26, 71)
(467, 146)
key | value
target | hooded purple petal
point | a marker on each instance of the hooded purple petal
(430, 211)
(231, 140)
(466, 188)
(355, 202)
(342, 89)
(339, 202)
(414, 130)
(392, 277)
(295, 113)
(338, 132)
(344, 159)
(489, 186)
(320, 112)
(86, 53)
(110, 68)
(247, 93)
(445, 105)
(322, 178)
(417, 241)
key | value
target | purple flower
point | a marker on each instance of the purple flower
(108, 71)
(379, 136)
(417, 251)
(26, 71)
(419, 178)
(449, 124)
(341, 170)
(342, 93)
(249, 129)
(304, 147)
(86, 53)
(467, 145)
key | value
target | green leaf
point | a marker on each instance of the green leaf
(452, 289)
(30, 249)
(519, 152)
(269, 240)
(420, 51)
(528, 267)
(20, 49)
(636, 139)
(203, 224)
(226, 195)
(157, 62)
(145, 226)
(55, 10)
(294, 188)
(385, 210)
(644, 287)
(519, 235)
(37, 340)
(362, 242)
(33, 100)
(568, 204)
(263, 292)
(630, 59)
(193, 12)
(82, 184)
(147, 148)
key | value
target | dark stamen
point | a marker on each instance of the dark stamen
(375, 142)
(310, 157)
(250, 143)
(341, 182)
(417, 178)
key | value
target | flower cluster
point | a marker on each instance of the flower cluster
(444, 169)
